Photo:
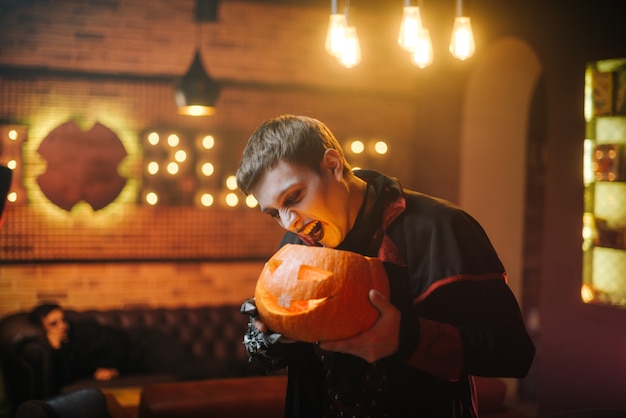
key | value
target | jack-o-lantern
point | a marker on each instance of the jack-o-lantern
(319, 294)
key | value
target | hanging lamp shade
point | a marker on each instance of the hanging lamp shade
(196, 92)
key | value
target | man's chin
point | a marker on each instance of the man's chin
(329, 243)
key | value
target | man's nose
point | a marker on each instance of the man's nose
(288, 219)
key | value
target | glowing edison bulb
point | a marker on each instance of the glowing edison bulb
(12, 164)
(351, 54)
(336, 33)
(409, 28)
(12, 134)
(422, 56)
(12, 197)
(462, 42)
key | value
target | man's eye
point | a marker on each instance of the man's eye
(292, 198)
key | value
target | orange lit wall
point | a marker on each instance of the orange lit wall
(127, 285)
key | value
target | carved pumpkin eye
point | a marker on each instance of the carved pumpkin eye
(318, 294)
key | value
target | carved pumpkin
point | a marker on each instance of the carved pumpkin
(319, 294)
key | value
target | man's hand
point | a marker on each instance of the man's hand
(381, 340)
(105, 374)
(260, 325)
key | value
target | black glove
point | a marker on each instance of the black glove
(263, 352)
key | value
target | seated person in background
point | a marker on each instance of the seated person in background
(86, 349)
(83, 348)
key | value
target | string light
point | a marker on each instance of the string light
(409, 27)
(336, 32)
(462, 40)
(351, 55)
(342, 41)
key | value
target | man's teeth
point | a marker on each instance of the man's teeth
(309, 228)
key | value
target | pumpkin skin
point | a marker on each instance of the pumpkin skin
(319, 294)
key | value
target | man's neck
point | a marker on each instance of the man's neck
(357, 195)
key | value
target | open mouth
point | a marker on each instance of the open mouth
(313, 230)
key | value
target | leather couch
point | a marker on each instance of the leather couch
(213, 334)
(210, 335)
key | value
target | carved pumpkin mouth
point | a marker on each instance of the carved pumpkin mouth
(283, 305)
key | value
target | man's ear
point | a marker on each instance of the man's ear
(332, 161)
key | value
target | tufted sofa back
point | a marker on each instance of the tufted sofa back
(208, 331)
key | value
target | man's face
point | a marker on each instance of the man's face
(314, 206)
(55, 325)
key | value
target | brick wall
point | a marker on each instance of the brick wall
(114, 62)
(267, 42)
(126, 285)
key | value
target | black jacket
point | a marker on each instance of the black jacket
(447, 280)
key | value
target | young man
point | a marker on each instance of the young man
(450, 315)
